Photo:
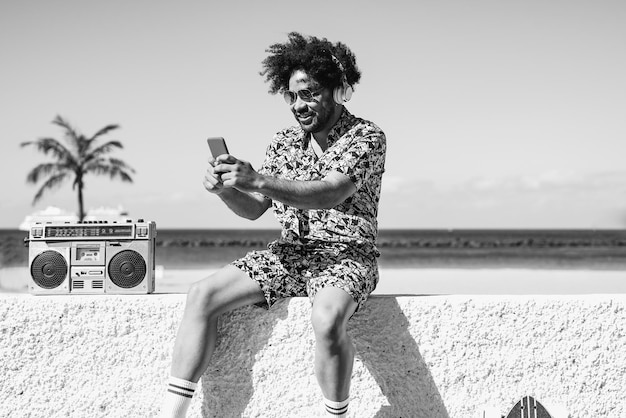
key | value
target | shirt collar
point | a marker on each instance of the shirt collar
(339, 129)
(343, 124)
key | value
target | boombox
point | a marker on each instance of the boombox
(92, 257)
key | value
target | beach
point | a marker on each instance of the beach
(445, 281)
(415, 281)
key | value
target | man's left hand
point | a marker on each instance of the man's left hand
(237, 173)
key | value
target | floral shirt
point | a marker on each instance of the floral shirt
(356, 148)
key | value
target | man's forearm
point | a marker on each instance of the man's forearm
(244, 204)
(315, 194)
(324, 193)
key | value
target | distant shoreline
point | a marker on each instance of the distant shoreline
(412, 248)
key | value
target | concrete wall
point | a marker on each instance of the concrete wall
(437, 356)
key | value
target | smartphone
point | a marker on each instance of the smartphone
(217, 146)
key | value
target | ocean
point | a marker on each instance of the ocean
(415, 248)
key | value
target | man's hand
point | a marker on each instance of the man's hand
(225, 177)
(237, 174)
(212, 181)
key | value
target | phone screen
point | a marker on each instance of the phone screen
(217, 146)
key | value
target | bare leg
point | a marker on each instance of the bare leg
(334, 351)
(226, 289)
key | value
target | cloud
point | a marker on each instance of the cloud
(552, 180)
(408, 185)
(549, 199)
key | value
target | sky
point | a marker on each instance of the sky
(498, 114)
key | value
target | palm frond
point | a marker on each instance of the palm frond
(104, 167)
(70, 132)
(45, 169)
(102, 164)
(97, 167)
(103, 149)
(76, 139)
(51, 146)
(51, 183)
(89, 141)
(104, 131)
(121, 164)
(124, 176)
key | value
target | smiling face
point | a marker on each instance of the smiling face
(318, 115)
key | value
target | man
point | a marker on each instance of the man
(323, 179)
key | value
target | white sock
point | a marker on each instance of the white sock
(177, 398)
(336, 409)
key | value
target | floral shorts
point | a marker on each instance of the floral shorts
(288, 269)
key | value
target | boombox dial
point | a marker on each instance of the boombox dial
(49, 269)
(127, 269)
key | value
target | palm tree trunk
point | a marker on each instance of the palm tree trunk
(81, 210)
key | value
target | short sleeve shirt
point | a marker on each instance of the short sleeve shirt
(356, 148)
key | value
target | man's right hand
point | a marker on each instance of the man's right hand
(212, 181)
(246, 205)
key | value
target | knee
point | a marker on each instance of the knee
(200, 298)
(329, 324)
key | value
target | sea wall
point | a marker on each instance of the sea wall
(429, 356)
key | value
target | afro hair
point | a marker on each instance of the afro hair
(325, 62)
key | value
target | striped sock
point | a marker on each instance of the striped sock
(336, 409)
(177, 398)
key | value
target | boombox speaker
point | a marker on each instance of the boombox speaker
(49, 268)
(92, 258)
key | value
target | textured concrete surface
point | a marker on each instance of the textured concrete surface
(437, 356)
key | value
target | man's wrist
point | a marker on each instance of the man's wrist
(223, 192)
(260, 183)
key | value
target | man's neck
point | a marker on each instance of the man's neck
(322, 136)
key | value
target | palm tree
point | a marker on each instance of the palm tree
(81, 156)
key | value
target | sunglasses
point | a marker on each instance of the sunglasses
(304, 94)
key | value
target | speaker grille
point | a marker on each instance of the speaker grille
(127, 269)
(48, 269)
